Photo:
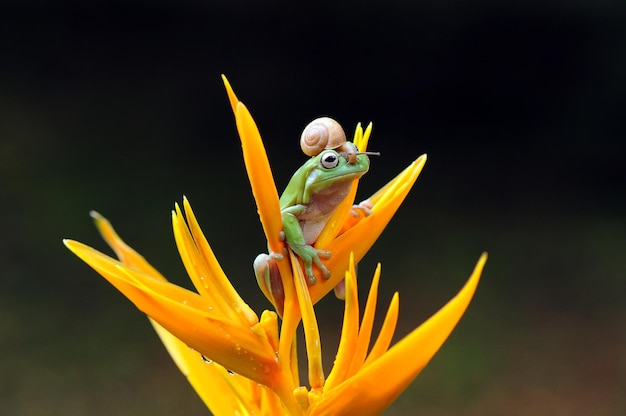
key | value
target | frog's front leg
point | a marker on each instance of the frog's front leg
(364, 209)
(296, 242)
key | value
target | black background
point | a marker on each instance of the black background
(119, 107)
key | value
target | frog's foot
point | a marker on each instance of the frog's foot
(312, 255)
(364, 209)
(325, 254)
(269, 280)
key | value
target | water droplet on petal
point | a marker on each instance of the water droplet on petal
(204, 282)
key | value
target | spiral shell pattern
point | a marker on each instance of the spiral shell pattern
(320, 134)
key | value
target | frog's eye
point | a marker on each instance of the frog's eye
(329, 159)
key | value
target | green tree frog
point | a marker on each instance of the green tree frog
(307, 203)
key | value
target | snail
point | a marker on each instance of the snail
(321, 134)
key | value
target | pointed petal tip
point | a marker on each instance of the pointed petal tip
(225, 82)
(71, 244)
(232, 97)
(480, 264)
(421, 160)
(74, 246)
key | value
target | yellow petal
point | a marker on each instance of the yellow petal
(112, 270)
(222, 284)
(185, 314)
(349, 331)
(309, 323)
(365, 330)
(204, 269)
(291, 320)
(199, 273)
(232, 98)
(386, 331)
(342, 212)
(364, 394)
(362, 236)
(361, 139)
(124, 252)
(259, 171)
(337, 220)
(223, 393)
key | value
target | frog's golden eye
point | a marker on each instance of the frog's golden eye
(329, 159)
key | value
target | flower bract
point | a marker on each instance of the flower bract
(243, 363)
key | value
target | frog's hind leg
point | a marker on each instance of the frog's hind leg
(269, 280)
(340, 290)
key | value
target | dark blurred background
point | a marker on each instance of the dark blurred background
(119, 107)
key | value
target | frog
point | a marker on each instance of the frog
(307, 203)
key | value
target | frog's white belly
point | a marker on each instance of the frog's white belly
(320, 208)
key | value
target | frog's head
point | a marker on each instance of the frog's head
(335, 167)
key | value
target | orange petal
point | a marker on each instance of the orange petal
(199, 273)
(349, 331)
(362, 138)
(124, 252)
(222, 392)
(336, 221)
(386, 331)
(364, 394)
(365, 330)
(259, 171)
(184, 314)
(362, 236)
(232, 98)
(342, 212)
(309, 323)
(212, 282)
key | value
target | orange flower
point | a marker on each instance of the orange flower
(240, 364)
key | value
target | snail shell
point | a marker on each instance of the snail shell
(320, 134)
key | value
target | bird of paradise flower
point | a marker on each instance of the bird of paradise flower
(242, 365)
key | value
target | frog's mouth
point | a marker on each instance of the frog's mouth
(345, 176)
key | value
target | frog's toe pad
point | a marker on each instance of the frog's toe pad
(325, 254)
(364, 209)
